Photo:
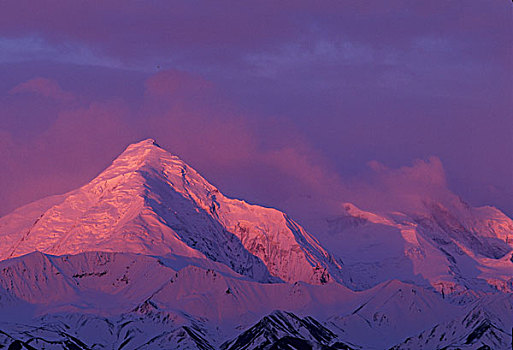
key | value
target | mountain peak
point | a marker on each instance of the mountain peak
(145, 144)
(143, 154)
(142, 149)
(151, 202)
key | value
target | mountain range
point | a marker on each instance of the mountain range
(150, 255)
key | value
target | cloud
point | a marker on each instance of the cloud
(391, 81)
(403, 189)
(30, 48)
(174, 83)
(160, 31)
(184, 113)
(300, 56)
(43, 87)
(428, 174)
(78, 143)
(261, 158)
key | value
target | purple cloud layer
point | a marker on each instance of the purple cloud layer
(289, 104)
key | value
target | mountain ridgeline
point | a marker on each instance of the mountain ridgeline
(150, 255)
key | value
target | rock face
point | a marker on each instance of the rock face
(149, 255)
(284, 330)
(150, 202)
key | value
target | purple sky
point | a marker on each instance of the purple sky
(298, 105)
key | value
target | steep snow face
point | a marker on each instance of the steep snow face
(149, 201)
(448, 246)
(21, 220)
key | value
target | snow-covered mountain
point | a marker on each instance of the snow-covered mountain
(284, 330)
(150, 202)
(390, 311)
(486, 325)
(449, 246)
(149, 255)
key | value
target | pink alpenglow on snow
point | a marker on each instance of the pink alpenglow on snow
(331, 175)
